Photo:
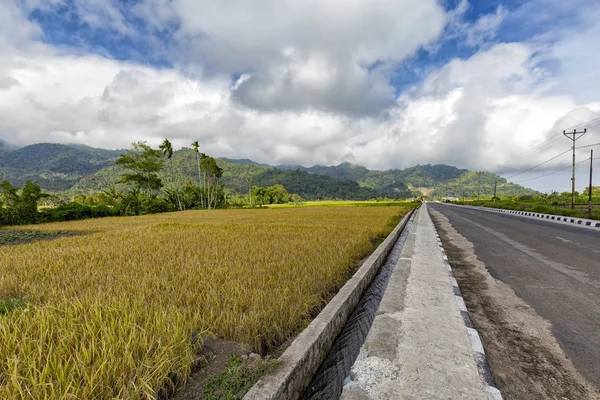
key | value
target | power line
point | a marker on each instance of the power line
(551, 173)
(540, 164)
(552, 141)
(591, 123)
(546, 145)
(589, 145)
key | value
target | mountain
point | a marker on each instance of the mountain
(83, 169)
(389, 182)
(243, 161)
(238, 175)
(53, 166)
(468, 184)
(313, 186)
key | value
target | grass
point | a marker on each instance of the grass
(11, 304)
(114, 313)
(238, 378)
(18, 237)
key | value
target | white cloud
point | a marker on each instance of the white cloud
(474, 33)
(308, 54)
(307, 95)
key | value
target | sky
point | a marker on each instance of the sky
(481, 84)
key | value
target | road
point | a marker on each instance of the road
(553, 268)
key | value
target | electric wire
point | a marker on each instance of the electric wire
(552, 173)
(540, 164)
(552, 141)
(589, 145)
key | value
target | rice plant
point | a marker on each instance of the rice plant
(119, 311)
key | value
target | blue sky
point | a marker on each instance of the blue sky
(386, 84)
(64, 27)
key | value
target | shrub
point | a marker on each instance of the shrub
(154, 205)
(74, 211)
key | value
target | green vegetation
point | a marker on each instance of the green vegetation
(238, 378)
(142, 165)
(19, 208)
(315, 187)
(469, 183)
(18, 237)
(391, 183)
(54, 167)
(554, 203)
(75, 170)
(9, 305)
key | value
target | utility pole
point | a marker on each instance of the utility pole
(479, 173)
(495, 185)
(590, 189)
(575, 137)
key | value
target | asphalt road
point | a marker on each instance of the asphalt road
(554, 268)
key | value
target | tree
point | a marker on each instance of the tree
(296, 199)
(167, 149)
(595, 191)
(144, 162)
(259, 193)
(21, 208)
(212, 173)
(113, 195)
(277, 194)
(28, 201)
(248, 178)
(196, 147)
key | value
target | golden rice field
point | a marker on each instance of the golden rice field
(119, 311)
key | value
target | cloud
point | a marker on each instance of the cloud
(307, 55)
(301, 83)
(474, 33)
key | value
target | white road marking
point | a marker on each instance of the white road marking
(564, 240)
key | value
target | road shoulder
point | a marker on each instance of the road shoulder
(418, 345)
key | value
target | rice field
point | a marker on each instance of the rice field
(120, 310)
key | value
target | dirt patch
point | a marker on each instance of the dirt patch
(11, 238)
(526, 360)
(212, 360)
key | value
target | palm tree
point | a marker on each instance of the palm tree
(167, 149)
(196, 147)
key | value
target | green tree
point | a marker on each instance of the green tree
(167, 149)
(277, 194)
(296, 199)
(212, 173)
(196, 148)
(259, 194)
(142, 164)
(21, 208)
(595, 191)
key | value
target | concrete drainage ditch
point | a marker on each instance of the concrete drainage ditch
(318, 361)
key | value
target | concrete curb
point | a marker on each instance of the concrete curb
(303, 357)
(483, 365)
(590, 223)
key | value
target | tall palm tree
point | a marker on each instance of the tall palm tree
(196, 147)
(167, 149)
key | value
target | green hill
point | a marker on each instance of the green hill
(236, 174)
(82, 169)
(392, 181)
(467, 186)
(54, 166)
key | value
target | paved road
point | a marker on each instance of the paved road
(554, 268)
